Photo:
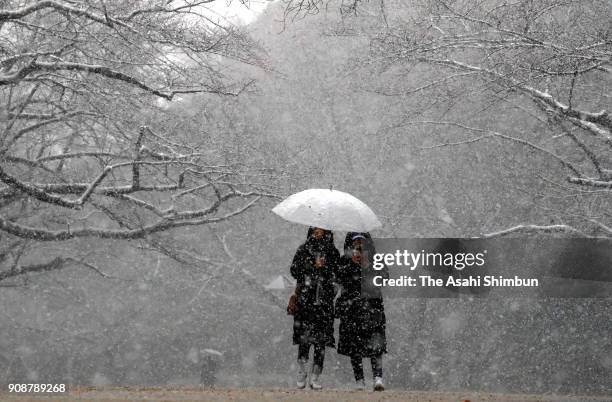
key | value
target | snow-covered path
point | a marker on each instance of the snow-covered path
(274, 395)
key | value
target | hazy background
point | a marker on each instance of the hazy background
(336, 101)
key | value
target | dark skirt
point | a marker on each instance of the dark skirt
(314, 322)
(362, 327)
(314, 325)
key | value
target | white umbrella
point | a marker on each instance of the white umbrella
(328, 209)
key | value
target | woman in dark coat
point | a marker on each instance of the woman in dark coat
(360, 308)
(313, 268)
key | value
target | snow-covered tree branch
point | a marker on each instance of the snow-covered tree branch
(547, 62)
(90, 135)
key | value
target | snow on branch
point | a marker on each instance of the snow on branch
(599, 123)
(55, 264)
(100, 70)
(490, 134)
(36, 192)
(535, 229)
(79, 77)
(39, 234)
(584, 181)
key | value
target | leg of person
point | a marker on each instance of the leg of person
(317, 367)
(303, 351)
(377, 372)
(302, 361)
(357, 363)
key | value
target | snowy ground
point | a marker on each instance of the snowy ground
(256, 395)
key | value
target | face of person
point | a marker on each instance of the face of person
(318, 233)
(356, 255)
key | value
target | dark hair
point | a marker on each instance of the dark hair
(368, 243)
(329, 235)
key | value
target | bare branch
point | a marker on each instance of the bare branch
(162, 225)
(36, 192)
(491, 133)
(601, 118)
(605, 228)
(584, 181)
(55, 264)
(533, 229)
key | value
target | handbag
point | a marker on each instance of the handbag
(292, 306)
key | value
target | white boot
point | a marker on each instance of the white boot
(378, 384)
(314, 378)
(301, 374)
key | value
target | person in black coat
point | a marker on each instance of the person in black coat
(360, 308)
(313, 268)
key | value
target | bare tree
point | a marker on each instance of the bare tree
(297, 9)
(548, 63)
(88, 146)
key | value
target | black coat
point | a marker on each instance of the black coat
(361, 310)
(314, 321)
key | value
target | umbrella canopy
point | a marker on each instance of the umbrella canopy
(328, 209)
